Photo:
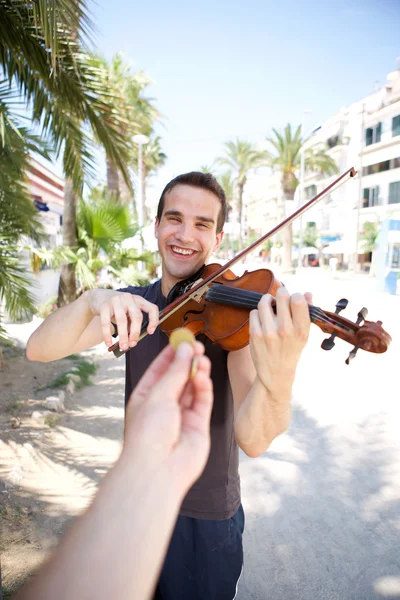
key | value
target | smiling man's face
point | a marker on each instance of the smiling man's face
(187, 232)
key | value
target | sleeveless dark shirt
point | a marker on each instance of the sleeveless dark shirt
(216, 495)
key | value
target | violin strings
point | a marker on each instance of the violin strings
(249, 299)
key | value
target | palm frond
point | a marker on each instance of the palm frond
(18, 216)
(69, 94)
(318, 159)
(14, 286)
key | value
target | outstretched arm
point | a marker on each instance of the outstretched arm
(88, 321)
(116, 549)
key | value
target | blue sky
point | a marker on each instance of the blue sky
(222, 70)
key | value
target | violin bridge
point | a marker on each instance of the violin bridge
(199, 294)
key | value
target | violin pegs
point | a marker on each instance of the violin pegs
(329, 343)
(362, 315)
(341, 305)
(351, 355)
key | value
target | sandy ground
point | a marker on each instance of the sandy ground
(49, 472)
(322, 505)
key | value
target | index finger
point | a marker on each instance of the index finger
(105, 321)
(151, 310)
(300, 311)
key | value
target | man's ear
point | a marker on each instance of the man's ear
(156, 224)
(218, 240)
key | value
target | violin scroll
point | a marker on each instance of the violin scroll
(363, 334)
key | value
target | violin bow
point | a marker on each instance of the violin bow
(199, 287)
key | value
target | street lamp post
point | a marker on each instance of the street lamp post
(301, 186)
(140, 140)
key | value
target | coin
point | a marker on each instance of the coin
(178, 336)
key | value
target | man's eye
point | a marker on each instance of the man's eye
(202, 225)
(174, 219)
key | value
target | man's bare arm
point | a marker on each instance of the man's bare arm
(116, 549)
(262, 374)
(88, 321)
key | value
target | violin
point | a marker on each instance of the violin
(217, 303)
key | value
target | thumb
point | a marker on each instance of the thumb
(172, 383)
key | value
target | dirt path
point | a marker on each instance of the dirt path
(50, 471)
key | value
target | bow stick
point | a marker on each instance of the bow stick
(198, 288)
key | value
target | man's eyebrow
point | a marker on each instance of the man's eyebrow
(177, 213)
(206, 219)
(173, 212)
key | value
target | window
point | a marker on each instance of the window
(376, 168)
(396, 257)
(396, 126)
(333, 141)
(310, 192)
(394, 192)
(373, 134)
(371, 197)
(385, 165)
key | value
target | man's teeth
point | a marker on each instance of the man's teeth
(181, 250)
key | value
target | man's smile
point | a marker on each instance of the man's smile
(179, 251)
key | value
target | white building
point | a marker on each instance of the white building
(366, 136)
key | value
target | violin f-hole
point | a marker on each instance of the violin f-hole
(192, 312)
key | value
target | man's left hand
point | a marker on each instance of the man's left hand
(277, 341)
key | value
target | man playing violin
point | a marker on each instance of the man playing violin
(252, 386)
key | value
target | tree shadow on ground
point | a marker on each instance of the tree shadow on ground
(48, 475)
(322, 515)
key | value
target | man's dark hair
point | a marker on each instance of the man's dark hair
(200, 180)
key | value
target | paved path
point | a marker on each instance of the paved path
(323, 505)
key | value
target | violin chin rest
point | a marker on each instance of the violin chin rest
(181, 287)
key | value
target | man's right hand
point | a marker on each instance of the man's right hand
(124, 310)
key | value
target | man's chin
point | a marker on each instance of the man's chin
(185, 271)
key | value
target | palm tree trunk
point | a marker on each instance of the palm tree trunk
(112, 179)
(124, 193)
(287, 266)
(67, 285)
(287, 235)
(240, 213)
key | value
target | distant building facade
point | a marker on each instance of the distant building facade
(47, 192)
(364, 135)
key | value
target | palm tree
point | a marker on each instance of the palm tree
(18, 216)
(228, 184)
(369, 237)
(207, 168)
(138, 112)
(153, 159)
(242, 157)
(286, 159)
(43, 53)
(102, 226)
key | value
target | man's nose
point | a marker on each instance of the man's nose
(185, 233)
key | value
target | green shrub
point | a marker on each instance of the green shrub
(46, 308)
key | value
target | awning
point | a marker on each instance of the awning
(337, 247)
(309, 250)
(42, 206)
